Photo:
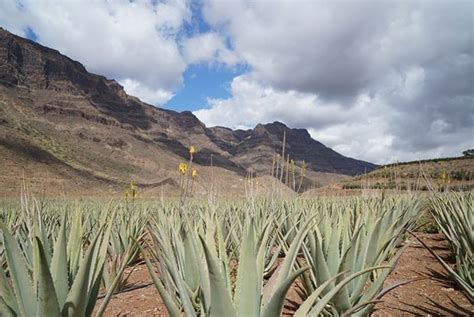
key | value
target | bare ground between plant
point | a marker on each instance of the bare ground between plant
(432, 292)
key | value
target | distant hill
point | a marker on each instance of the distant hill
(452, 173)
(455, 173)
(66, 128)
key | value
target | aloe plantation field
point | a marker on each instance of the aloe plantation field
(252, 257)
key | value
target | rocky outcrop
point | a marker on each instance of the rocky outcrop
(255, 148)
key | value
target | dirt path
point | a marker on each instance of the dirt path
(433, 294)
(143, 300)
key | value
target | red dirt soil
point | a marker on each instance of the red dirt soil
(433, 293)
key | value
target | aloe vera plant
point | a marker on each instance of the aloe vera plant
(197, 278)
(127, 229)
(41, 278)
(454, 214)
(352, 240)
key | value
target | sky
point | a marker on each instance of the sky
(381, 81)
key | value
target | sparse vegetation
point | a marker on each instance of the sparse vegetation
(450, 174)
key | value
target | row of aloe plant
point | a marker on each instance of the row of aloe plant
(221, 259)
(454, 214)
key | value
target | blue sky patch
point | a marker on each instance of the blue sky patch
(30, 34)
(197, 25)
(203, 81)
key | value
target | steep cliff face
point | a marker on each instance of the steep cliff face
(88, 122)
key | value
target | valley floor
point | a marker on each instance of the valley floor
(433, 293)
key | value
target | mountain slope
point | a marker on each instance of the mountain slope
(55, 113)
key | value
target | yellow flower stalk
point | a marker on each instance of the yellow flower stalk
(133, 189)
(131, 193)
(183, 167)
(194, 173)
(192, 150)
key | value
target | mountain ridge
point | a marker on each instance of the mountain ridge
(90, 122)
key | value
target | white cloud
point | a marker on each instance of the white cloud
(124, 40)
(210, 48)
(253, 102)
(413, 83)
(367, 129)
(336, 48)
(146, 94)
(312, 61)
(11, 18)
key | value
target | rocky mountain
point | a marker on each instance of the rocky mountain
(60, 122)
(254, 149)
